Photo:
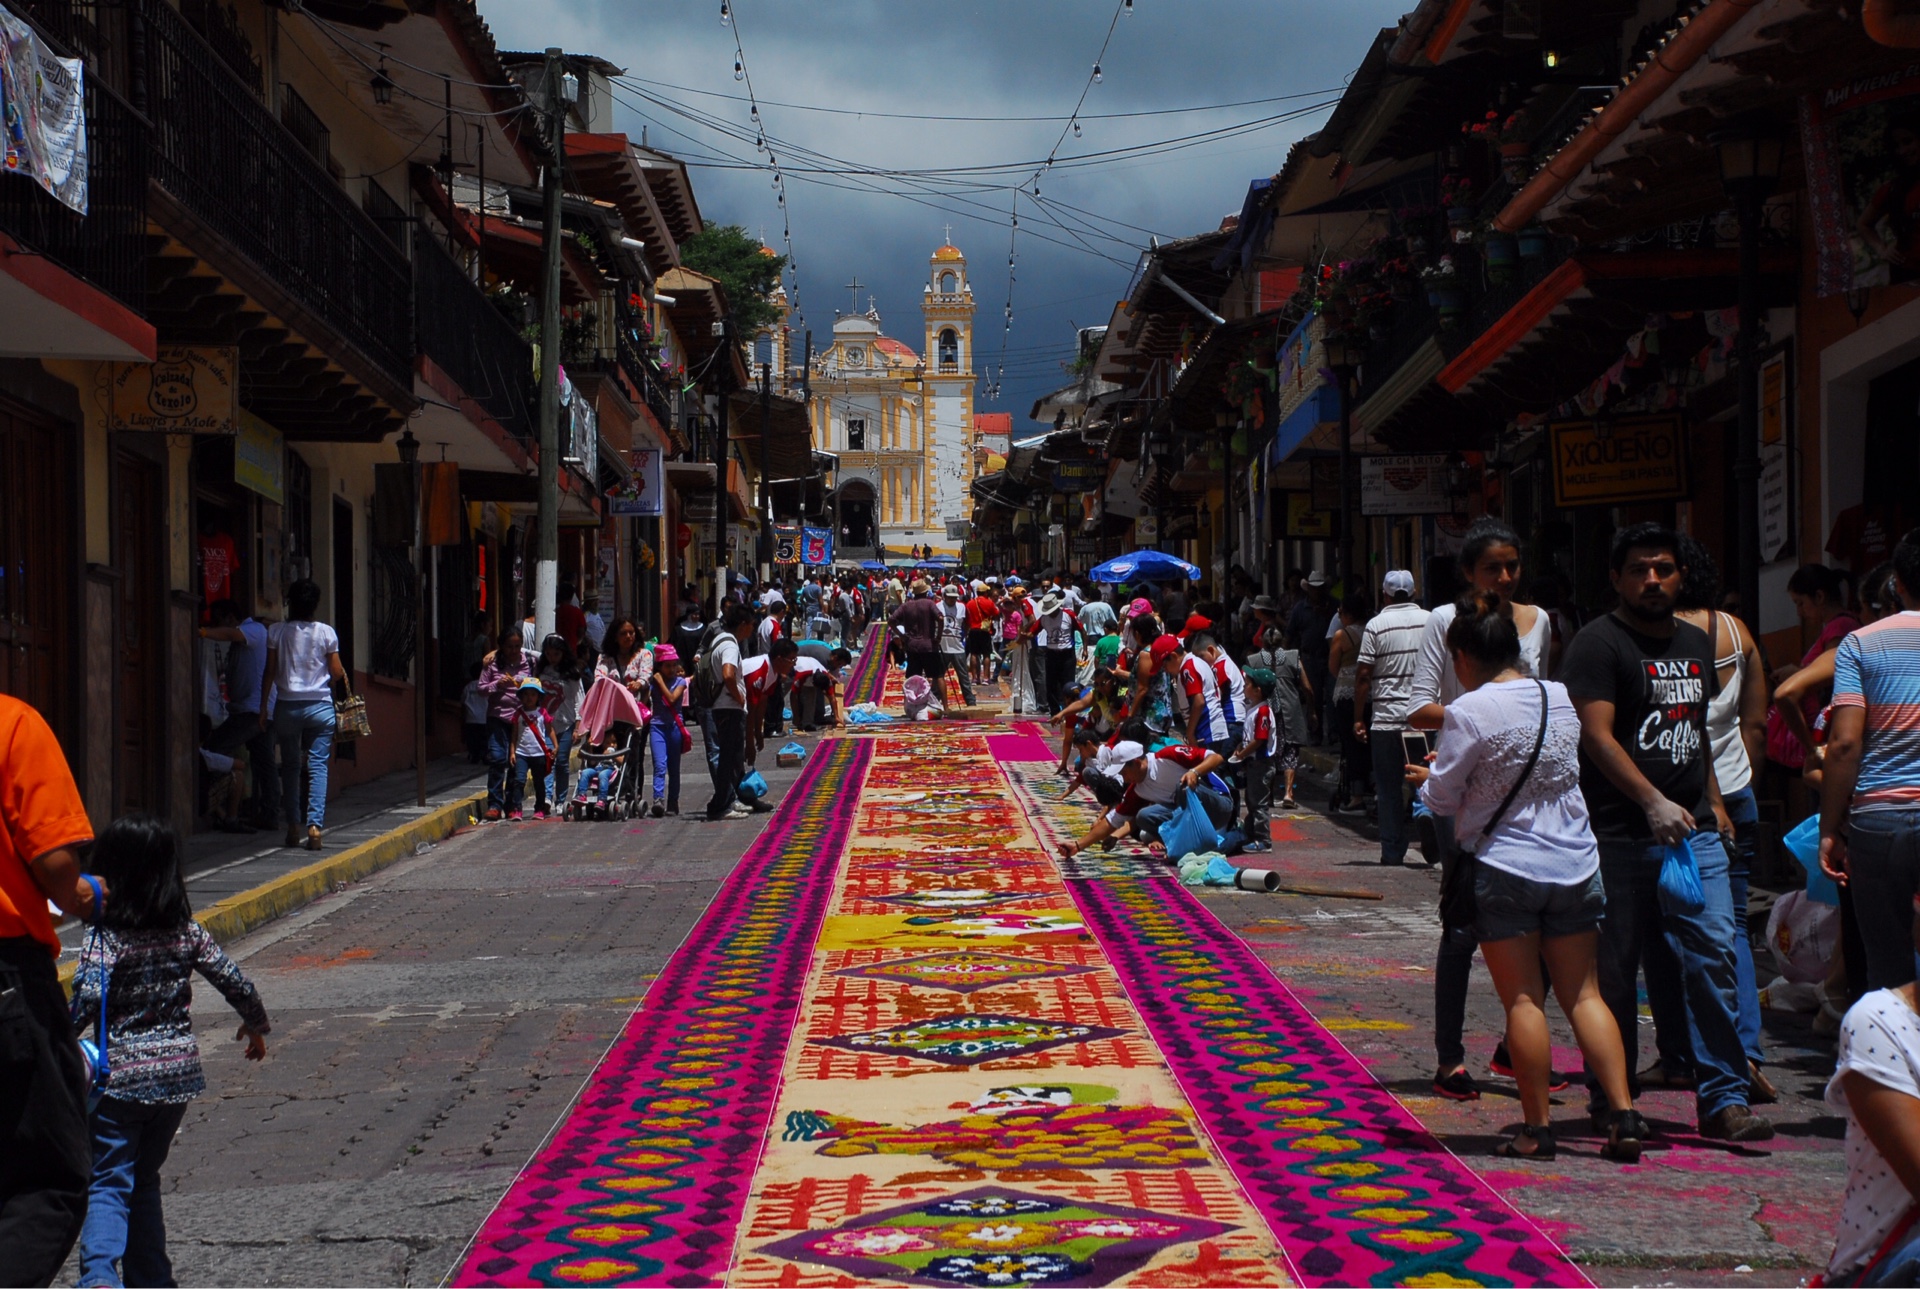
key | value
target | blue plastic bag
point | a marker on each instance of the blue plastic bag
(1680, 893)
(753, 787)
(1190, 831)
(1803, 843)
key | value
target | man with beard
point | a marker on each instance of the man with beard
(1641, 679)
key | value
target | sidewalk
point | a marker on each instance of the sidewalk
(222, 866)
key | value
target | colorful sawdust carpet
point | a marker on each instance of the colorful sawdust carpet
(906, 1050)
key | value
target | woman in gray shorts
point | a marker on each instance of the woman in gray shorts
(1536, 872)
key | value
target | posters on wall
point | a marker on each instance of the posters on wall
(644, 493)
(1861, 143)
(44, 101)
(260, 458)
(1404, 485)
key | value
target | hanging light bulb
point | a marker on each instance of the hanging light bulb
(753, 112)
(726, 11)
(1126, 7)
(1096, 74)
(781, 199)
(739, 70)
(1076, 129)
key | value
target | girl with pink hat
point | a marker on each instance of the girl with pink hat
(667, 732)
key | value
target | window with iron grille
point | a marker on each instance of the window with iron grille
(390, 605)
(856, 436)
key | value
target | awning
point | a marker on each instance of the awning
(1414, 375)
(1321, 408)
(789, 433)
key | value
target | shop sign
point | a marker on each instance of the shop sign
(260, 458)
(1079, 476)
(1183, 526)
(184, 390)
(1086, 548)
(1776, 491)
(1859, 186)
(1641, 459)
(698, 508)
(786, 545)
(1146, 530)
(816, 546)
(1303, 520)
(644, 493)
(1404, 485)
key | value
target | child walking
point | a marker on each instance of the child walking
(533, 749)
(142, 955)
(667, 732)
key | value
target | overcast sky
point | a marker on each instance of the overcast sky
(995, 58)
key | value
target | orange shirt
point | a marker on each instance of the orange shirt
(40, 811)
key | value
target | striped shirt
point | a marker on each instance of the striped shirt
(1878, 668)
(1218, 693)
(1391, 646)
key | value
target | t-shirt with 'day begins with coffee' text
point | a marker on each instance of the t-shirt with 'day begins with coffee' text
(1659, 687)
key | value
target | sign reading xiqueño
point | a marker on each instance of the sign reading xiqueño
(1619, 462)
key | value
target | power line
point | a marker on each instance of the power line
(742, 74)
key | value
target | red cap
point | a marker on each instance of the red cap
(1163, 648)
(1196, 623)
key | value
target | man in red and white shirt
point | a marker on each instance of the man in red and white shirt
(760, 679)
(1154, 782)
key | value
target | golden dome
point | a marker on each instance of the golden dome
(948, 253)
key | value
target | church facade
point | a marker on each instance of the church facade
(901, 422)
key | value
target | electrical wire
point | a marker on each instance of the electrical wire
(744, 75)
(333, 29)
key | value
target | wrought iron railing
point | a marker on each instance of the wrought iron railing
(469, 339)
(108, 245)
(219, 153)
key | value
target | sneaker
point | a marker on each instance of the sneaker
(1502, 1065)
(1735, 1123)
(1458, 1086)
(513, 816)
(493, 816)
(1429, 831)
(738, 811)
(659, 810)
(761, 806)
(540, 813)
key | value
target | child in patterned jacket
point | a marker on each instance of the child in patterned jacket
(142, 955)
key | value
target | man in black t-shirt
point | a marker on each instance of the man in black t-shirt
(1641, 680)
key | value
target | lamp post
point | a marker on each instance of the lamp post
(1223, 425)
(1343, 359)
(408, 448)
(1749, 168)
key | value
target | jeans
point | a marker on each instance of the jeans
(665, 737)
(1702, 947)
(595, 782)
(1452, 970)
(304, 731)
(499, 762)
(1059, 672)
(1389, 785)
(958, 662)
(560, 777)
(124, 1222)
(1147, 824)
(730, 736)
(535, 768)
(1744, 810)
(1883, 866)
(775, 718)
(242, 729)
(44, 1157)
(1356, 760)
(1259, 772)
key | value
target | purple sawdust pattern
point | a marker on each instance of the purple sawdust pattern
(646, 1178)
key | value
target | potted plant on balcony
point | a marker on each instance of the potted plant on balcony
(1416, 226)
(1456, 194)
(1533, 242)
(1444, 291)
(1501, 252)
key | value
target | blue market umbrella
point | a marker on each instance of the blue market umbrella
(873, 565)
(1144, 566)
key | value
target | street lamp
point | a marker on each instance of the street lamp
(1749, 168)
(408, 449)
(1343, 358)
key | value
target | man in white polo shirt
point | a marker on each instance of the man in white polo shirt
(1382, 698)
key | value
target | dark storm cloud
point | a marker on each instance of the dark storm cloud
(1002, 58)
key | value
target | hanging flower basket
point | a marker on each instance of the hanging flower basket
(1448, 300)
(1501, 248)
(1533, 243)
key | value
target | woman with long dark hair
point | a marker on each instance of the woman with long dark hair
(303, 664)
(626, 659)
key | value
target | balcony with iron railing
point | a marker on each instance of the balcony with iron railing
(623, 343)
(107, 246)
(469, 339)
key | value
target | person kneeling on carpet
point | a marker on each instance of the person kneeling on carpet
(1154, 783)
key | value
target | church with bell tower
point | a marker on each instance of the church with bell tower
(900, 422)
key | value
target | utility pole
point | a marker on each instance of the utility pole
(720, 487)
(766, 469)
(546, 568)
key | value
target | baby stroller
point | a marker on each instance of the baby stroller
(623, 797)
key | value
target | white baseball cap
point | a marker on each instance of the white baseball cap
(1397, 582)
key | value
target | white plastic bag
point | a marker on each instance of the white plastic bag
(1804, 934)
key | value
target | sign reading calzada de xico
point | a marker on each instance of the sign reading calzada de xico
(1613, 463)
(184, 390)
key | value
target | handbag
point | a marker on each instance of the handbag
(350, 719)
(1459, 906)
(686, 735)
(1680, 892)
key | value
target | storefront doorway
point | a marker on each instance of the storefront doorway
(39, 644)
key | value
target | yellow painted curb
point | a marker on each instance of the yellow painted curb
(238, 914)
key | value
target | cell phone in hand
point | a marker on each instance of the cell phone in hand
(1415, 746)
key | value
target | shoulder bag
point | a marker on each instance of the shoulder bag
(1458, 904)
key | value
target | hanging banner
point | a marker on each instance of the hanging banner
(44, 100)
(786, 545)
(1861, 144)
(1404, 485)
(184, 390)
(260, 458)
(816, 546)
(644, 494)
(1613, 463)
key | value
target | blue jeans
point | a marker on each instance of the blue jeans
(1883, 866)
(664, 735)
(1389, 786)
(596, 779)
(499, 762)
(304, 731)
(1744, 810)
(560, 777)
(1702, 952)
(124, 1222)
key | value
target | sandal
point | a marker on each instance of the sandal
(1542, 1139)
(1626, 1130)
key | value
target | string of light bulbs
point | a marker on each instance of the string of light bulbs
(745, 77)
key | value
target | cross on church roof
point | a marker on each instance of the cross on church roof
(949, 237)
(854, 286)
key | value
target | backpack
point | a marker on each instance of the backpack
(708, 684)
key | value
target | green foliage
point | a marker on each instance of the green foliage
(745, 271)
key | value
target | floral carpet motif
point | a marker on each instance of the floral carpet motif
(963, 972)
(969, 1039)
